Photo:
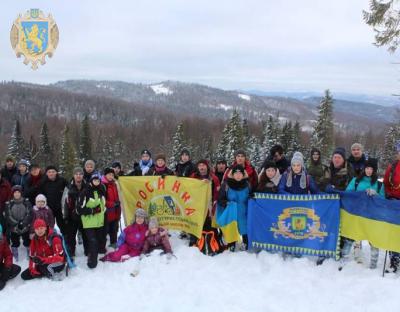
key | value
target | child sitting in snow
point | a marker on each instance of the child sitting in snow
(156, 238)
(131, 241)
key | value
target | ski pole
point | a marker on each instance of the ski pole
(384, 264)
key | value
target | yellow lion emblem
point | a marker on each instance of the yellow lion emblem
(34, 38)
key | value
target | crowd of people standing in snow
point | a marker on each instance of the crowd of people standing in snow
(88, 207)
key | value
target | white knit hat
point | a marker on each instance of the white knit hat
(41, 197)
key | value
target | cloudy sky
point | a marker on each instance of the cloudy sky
(287, 45)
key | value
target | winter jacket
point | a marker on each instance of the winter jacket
(6, 258)
(235, 195)
(266, 185)
(48, 249)
(19, 179)
(19, 215)
(357, 164)
(92, 209)
(113, 206)
(185, 169)
(134, 236)
(87, 175)
(365, 184)
(391, 181)
(295, 187)
(53, 190)
(5, 194)
(338, 178)
(219, 175)
(31, 189)
(318, 171)
(43, 213)
(8, 174)
(155, 171)
(282, 164)
(157, 241)
(73, 200)
(251, 172)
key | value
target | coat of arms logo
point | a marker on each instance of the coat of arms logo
(33, 35)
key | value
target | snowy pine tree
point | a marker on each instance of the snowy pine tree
(255, 152)
(323, 135)
(286, 137)
(235, 138)
(296, 144)
(67, 159)
(389, 150)
(85, 141)
(270, 136)
(32, 150)
(16, 146)
(45, 153)
(177, 146)
(223, 146)
(246, 136)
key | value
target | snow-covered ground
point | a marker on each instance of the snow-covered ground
(244, 97)
(161, 89)
(231, 282)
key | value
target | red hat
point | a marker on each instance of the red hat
(39, 223)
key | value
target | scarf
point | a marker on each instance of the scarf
(145, 166)
(160, 169)
(238, 185)
(303, 179)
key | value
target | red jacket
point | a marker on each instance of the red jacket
(5, 193)
(47, 248)
(113, 213)
(392, 185)
(251, 172)
(6, 257)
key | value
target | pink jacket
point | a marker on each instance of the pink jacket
(134, 236)
(157, 241)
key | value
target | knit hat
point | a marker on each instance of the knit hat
(24, 162)
(221, 160)
(153, 222)
(357, 145)
(90, 162)
(16, 188)
(161, 156)
(185, 151)
(237, 168)
(140, 213)
(340, 151)
(202, 161)
(146, 152)
(108, 170)
(39, 223)
(240, 152)
(10, 158)
(297, 158)
(95, 177)
(78, 170)
(270, 164)
(41, 197)
(51, 167)
(373, 163)
(116, 164)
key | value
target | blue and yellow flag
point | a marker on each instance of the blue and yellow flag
(295, 224)
(371, 218)
(178, 203)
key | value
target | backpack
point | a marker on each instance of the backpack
(210, 243)
(70, 263)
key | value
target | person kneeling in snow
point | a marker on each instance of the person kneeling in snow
(8, 270)
(156, 238)
(131, 241)
(46, 255)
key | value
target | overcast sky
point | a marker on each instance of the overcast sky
(296, 45)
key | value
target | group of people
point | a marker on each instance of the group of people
(33, 201)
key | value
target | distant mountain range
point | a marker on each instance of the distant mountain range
(199, 100)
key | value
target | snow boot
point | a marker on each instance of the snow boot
(374, 257)
(357, 252)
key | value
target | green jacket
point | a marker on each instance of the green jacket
(94, 220)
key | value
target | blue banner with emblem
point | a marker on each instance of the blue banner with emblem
(295, 224)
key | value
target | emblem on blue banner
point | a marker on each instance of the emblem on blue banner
(34, 36)
(299, 223)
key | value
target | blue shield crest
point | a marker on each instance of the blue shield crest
(36, 36)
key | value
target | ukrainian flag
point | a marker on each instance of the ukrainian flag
(371, 218)
(227, 222)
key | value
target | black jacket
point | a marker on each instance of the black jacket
(53, 190)
(185, 170)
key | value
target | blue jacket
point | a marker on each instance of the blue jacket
(311, 187)
(365, 184)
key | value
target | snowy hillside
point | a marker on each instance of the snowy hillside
(228, 282)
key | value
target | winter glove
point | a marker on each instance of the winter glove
(96, 210)
(371, 192)
(117, 204)
(36, 260)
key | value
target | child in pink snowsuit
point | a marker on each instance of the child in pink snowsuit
(131, 241)
(156, 238)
